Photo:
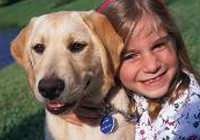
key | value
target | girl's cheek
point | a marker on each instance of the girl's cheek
(126, 73)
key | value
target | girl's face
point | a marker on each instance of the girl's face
(149, 62)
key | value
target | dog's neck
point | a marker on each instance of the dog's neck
(130, 114)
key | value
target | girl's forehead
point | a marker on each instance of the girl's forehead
(145, 32)
(147, 25)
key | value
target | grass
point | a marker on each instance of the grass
(20, 13)
(22, 117)
(187, 15)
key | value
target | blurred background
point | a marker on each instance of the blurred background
(21, 116)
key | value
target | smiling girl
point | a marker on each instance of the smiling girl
(156, 70)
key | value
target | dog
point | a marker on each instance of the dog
(69, 55)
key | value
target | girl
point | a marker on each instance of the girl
(155, 70)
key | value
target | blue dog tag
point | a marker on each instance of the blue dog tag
(107, 124)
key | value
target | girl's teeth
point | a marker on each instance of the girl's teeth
(151, 81)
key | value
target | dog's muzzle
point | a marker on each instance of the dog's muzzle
(51, 89)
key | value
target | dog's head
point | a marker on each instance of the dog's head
(68, 55)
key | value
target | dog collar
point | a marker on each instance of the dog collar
(108, 122)
(129, 116)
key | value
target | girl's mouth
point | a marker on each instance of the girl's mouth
(155, 82)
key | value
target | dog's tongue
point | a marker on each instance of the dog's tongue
(55, 104)
(57, 107)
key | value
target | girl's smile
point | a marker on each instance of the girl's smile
(156, 82)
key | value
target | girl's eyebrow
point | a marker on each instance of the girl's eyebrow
(161, 39)
(126, 51)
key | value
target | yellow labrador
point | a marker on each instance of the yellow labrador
(70, 55)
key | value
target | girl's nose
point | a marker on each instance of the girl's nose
(151, 63)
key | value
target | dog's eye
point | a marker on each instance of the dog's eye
(39, 48)
(76, 47)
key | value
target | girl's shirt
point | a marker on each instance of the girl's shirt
(177, 121)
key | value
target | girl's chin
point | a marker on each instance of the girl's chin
(154, 93)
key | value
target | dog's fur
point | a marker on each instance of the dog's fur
(87, 72)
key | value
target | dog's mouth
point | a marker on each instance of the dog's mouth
(58, 108)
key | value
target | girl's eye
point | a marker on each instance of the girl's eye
(161, 43)
(129, 56)
(159, 46)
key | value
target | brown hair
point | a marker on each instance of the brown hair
(124, 16)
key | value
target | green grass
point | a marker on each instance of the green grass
(187, 16)
(22, 117)
(20, 13)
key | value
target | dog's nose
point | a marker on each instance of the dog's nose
(51, 88)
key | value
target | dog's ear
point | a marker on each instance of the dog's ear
(18, 46)
(111, 41)
(18, 51)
